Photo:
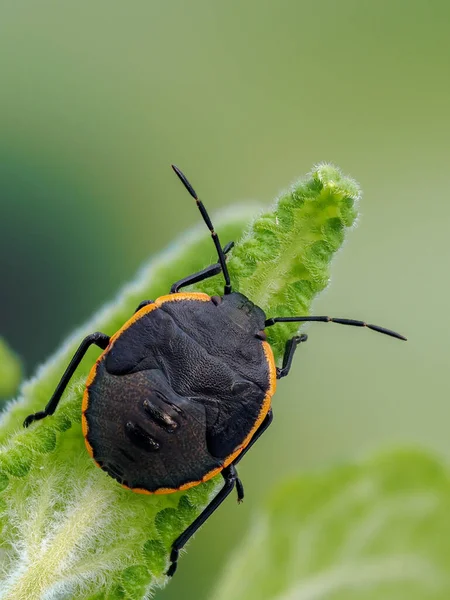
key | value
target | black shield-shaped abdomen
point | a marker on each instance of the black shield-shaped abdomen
(179, 391)
(144, 434)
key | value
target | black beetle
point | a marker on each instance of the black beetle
(183, 390)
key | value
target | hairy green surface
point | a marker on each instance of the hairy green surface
(283, 261)
(10, 371)
(370, 531)
(69, 530)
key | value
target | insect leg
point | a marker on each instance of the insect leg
(142, 304)
(291, 347)
(200, 275)
(99, 339)
(230, 475)
(261, 429)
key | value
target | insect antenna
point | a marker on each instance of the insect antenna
(210, 226)
(270, 322)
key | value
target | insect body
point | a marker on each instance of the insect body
(183, 390)
(157, 407)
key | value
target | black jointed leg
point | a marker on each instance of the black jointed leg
(261, 429)
(142, 304)
(230, 476)
(240, 490)
(99, 339)
(200, 275)
(291, 347)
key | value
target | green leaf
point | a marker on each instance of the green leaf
(284, 259)
(68, 528)
(369, 531)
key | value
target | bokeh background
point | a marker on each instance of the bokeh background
(98, 98)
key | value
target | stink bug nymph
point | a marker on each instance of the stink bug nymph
(183, 390)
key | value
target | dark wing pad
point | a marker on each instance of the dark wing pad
(137, 348)
(229, 422)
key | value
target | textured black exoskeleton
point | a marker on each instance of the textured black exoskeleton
(183, 390)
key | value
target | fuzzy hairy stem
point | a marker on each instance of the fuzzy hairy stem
(68, 529)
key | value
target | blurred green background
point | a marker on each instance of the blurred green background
(98, 98)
